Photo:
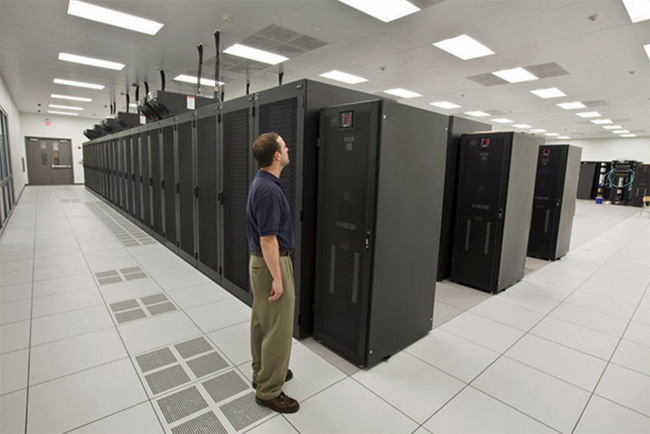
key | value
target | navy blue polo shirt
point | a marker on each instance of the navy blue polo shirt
(268, 213)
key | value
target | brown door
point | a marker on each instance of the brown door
(49, 161)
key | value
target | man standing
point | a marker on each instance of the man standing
(271, 242)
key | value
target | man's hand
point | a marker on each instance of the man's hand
(277, 289)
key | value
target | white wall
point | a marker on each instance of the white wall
(632, 148)
(16, 139)
(61, 127)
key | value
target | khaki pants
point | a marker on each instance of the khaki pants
(271, 326)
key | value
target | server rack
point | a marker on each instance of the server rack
(495, 196)
(554, 201)
(381, 179)
(457, 127)
(185, 186)
(169, 182)
(157, 207)
(641, 186)
(145, 177)
(620, 180)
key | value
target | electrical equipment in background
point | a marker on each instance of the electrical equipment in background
(641, 185)
(457, 127)
(619, 180)
(381, 167)
(496, 181)
(554, 201)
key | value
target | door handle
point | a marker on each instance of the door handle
(61, 166)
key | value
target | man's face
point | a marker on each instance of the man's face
(284, 152)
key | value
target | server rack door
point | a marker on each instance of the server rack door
(641, 186)
(156, 182)
(482, 182)
(109, 170)
(121, 160)
(346, 203)
(549, 183)
(102, 164)
(169, 184)
(137, 177)
(207, 171)
(186, 189)
(106, 171)
(236, 145)
(586, 181)
(130, 177)
(145, 165)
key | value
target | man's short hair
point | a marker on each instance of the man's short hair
(265, 147)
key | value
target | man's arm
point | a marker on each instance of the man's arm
(271, 253)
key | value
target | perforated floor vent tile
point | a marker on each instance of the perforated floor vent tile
(103, 274)
(207, 364)
(156, 298)
(193, 347)
(130, 315)
(130, 270)
(207, 423)
(244, 411)
(155, 359)
(135, 276)
(124, 305)
(124, 274)
(108, 280)
(161, 308)
(181, 404)
(166, 379)
(224, 386)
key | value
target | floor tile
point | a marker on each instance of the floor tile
(183, 279)
(66, 301)
(14, 336)
(642, 315)
(602, 304)
(638, 332)
(576, 336)
(54, 261)
(490, 334)
(626, 387)
(16, 265)
(459, 296)
(544, 289)
(559, 361)
(75, 400)
(349, 407)
(14, 277)
(234, 341)
(20, 291)
(67, 356)
(443, 312)
(633, 356)
(416, 388)
(15, 311)
(452, 354)
(330, 356)
(506, 313)
(198, 295)
(68, 324)
(590, 318)
(545, 398)
(274, 426)
(520, 296)
(603, 416)
(488, 415)
(157, 331)
(13, 371)
(215, 316)
(13, 407)
(64, 284)
(140, 419)
(114, 292)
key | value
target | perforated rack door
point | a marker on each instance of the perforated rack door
(156, 180)
(146, 174)
(186, 187)
(207, 168)
(137, 176)
(169, 159)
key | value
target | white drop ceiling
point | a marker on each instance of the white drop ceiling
(594, 41)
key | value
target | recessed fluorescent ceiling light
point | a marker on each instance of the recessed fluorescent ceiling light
(71, 98)
(572, 105)
(343, 76)
(402, 93)
(384, 10)
(647, 50)
(464, 47)
(552, 134)
(613, 127)
(62, 113)
(515, 75)
(502, 121)
(113, 18)
(255, 54)
(90, 61)
(133, 105)
(65, 107)
(552, 92)
(563, 137)
(522, 126)
(477, 114)
(621, 132)
(638, 10)
(589, 114)
(192, 79)
(628, 135)
(78, 84)
(602, 121)
(445, 105)
(538, 130)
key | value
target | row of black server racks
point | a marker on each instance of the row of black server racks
(620, 182)
(366, 185)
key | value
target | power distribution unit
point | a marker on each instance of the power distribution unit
(457, 127)
(496, 181)
(381, 177)
(554, 202)
(641, 186)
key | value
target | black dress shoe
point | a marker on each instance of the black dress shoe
(287, 378)
(281, 403)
